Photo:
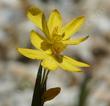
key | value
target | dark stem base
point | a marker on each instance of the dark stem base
(40, 87)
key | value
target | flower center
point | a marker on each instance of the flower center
(55, 43)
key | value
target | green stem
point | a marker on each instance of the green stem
(84, 91)
(40, 87)
(44, 83)
(36, 100)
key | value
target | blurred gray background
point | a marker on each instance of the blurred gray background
(17, 73)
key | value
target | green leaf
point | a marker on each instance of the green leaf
(51, 93)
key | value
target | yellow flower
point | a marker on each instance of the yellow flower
(56, 38)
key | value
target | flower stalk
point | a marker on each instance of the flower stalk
(40, 87)
(84, 90)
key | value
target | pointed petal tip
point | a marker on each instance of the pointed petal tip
(19, 50)
(81, 17)
(85, 38)
(32, 31)
(34, 14)
(55, 10)
(34, 10)
(55, 20)
(86, 65)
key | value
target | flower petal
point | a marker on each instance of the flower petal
(32, 54)
(55, 20)
(45, 27)
(36, 39)
(76, 41)
(67, 66)
(75, 62)
(35, 15)
(50, 63)
(73, 27)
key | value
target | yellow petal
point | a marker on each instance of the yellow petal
(73, 27)
(67, 66)
(49, 63)
(32, 54)
(55, 20)
(75, 62)
(44, 26)
(76, 41)
(35, 15)
(36, 39)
